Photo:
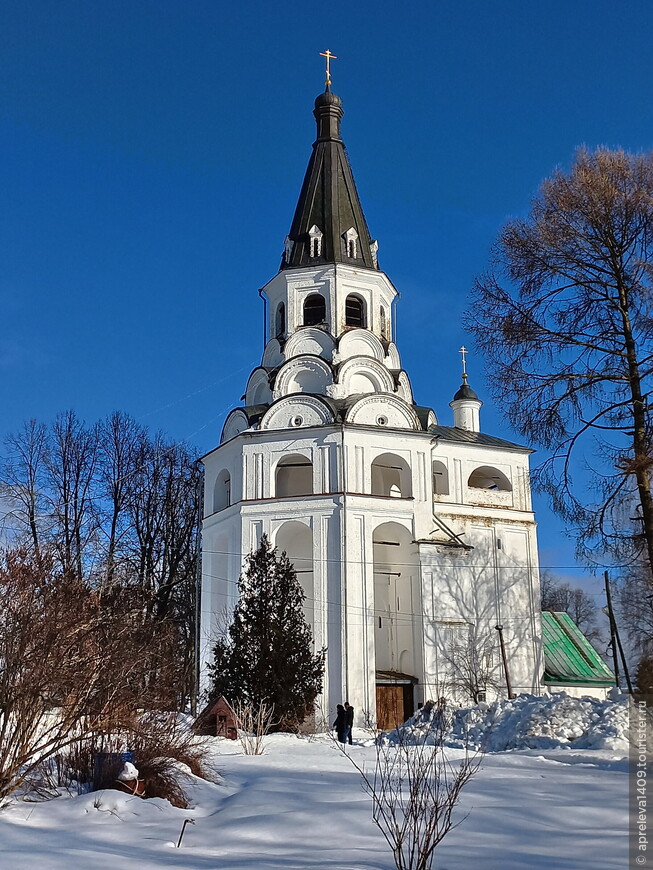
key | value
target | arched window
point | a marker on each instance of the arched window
(355, 312)
(280, 327)
(384, 323)
(391, 476)
(294, 476)
(314, 310)
(440, 478)
(486, 477)
(222, 492)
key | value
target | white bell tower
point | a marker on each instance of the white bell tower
(400, 543)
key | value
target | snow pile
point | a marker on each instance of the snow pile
(525, 722)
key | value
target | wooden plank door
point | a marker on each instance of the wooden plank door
(389, 707)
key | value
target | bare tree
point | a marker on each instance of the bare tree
(415, 789)
(635, 603)
(71, 464)
(164, 501)
(471, 668)
(564, 320)
(164, 514)
(115, 507)
(119, 440)
(21, 484)
(563, 598)
(70, 667)
(254, 724)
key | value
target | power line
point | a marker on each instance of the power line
(481, 566)
(411, 614)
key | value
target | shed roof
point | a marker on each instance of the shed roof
(569, 658)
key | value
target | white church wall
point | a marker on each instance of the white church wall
(374, 287)
(221, 566)
(453, 588)
(359, 342)
(297, 411)
(495, 583)
(334, 283)
(310, 340)
(383, 410)
(303, 374)
(258, 390)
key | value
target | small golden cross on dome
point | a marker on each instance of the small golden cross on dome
(463, 352)
(329, 57)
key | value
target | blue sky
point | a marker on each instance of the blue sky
(151, 155)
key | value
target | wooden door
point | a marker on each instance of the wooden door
(389, 707)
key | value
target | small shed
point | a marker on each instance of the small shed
(571, 664)
(217, 720)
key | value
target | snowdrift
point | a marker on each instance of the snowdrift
(526, 722)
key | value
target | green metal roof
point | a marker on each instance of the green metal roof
(569, 658)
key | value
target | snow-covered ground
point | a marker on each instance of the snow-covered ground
(300, 805)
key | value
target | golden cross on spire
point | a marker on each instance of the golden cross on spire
(463, 352)
(329, 57)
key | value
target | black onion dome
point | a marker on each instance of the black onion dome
(328, 99)
(466, 392)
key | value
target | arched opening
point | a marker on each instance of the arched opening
(222, 491)
(280, 324)
(440, 478)
(294, 476)
(391, 476)
(314, 309)
(398, 625)
(296, 540)
(355, 312)
(486, 477)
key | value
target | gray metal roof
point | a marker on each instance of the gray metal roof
(462, 436)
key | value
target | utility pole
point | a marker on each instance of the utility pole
(499, 628)
(615, 640)
(195, 687)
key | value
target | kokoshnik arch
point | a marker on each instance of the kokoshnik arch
(412, 540)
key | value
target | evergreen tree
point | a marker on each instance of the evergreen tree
(267, 657)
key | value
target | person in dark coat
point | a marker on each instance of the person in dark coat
(349, 719)
(341, 723)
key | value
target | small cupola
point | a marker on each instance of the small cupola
(466, 404)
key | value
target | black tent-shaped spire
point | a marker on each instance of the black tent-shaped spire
(329, 201)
